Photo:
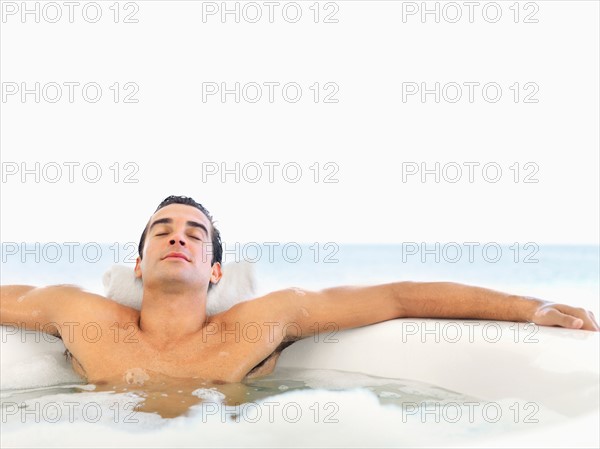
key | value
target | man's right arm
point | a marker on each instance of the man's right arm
(45, 309)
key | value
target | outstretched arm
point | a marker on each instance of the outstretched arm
(453, 300)
(17, 308)
(50, 309)
(348, 307)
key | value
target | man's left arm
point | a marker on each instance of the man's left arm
(356, 306)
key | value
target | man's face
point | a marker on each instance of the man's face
(178, 249)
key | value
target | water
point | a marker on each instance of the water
(292, 407)
(399, 392)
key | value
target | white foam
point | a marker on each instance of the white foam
(209, 394)
(32, 359)
(307, 418)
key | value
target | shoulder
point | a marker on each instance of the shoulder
(279, 301)
(277, 308)
(74, 301)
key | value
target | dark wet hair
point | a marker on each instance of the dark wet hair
(217, 246)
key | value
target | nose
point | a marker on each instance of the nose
(181, 242)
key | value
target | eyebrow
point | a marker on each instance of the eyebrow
(193, 224)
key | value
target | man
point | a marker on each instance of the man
(179, 258)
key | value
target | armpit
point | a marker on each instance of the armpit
(74, 363)
(268, 364)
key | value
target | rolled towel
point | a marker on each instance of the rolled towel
(238, 284)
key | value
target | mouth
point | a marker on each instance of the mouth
(176, 256)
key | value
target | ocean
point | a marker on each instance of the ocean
(568, 274)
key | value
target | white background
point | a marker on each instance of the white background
(368, 133)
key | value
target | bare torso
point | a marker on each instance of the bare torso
(231, 346)
(109, 348)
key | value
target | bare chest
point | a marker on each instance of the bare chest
(128, 357)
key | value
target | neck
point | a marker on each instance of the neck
(169, 316)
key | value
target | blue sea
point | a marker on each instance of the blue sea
(569, 274)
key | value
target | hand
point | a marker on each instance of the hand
(552, 314)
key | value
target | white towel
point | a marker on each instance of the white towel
(237, 284)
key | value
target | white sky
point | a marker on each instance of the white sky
(368, 134)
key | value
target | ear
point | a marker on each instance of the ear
(216, 273)
(138, 268)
